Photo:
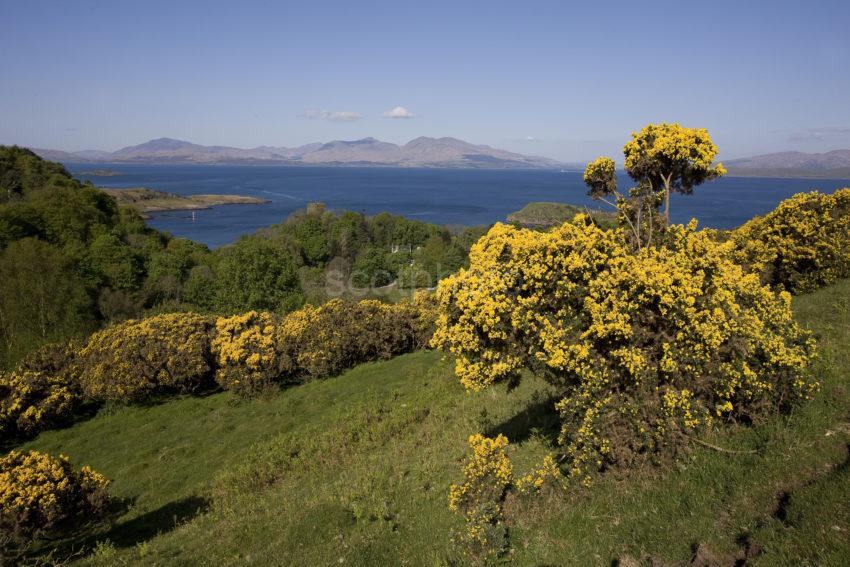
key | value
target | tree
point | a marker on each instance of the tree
(312, 240)
(371, 268)
(671, 156)
(117, 264)
(661, 158)
(41, 297)
(256, 274)
(349, 234)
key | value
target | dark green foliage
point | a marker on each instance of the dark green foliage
(349, 233)
(42, 299)
(438, 258)
(312, 240)
(22, 172)
(352, 251)
(106, 265)
(371, 268)
(256, 274)
(71, 258)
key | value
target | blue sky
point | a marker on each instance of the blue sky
(563, 79)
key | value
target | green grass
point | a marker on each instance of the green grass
(355, 470)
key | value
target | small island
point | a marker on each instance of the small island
(151, 201)
(542, 215)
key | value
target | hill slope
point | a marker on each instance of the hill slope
(828, 165)
(355, 470)
(421, 152)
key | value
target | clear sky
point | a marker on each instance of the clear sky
(564, 79)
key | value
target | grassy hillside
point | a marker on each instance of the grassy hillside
(355, 470)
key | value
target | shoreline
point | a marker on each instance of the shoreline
(148, 201)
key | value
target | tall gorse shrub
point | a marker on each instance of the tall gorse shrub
(644, 345)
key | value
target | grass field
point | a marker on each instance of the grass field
(355, 470)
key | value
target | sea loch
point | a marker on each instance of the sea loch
(443, 196)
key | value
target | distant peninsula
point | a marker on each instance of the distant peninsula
(150, 201)
(827, 165)
(366, 152)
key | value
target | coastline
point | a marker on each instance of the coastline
(148, 201)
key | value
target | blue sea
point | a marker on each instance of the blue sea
(441, 196)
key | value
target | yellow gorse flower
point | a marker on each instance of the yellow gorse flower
(38, 491)
(802, 245)
(655, 339)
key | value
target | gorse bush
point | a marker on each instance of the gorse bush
(184, 352)
(802, 245)
(488, 475)
(245, 355)
(645, 346)
(127, 361)
(661, 159)
(478, 498)
(40, 494)
(31, 401)
(324, 340)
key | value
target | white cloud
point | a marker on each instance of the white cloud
(530, 139)
(333, 116)
(398, 112)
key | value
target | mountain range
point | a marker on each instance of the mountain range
(421, 152)
(828, 165)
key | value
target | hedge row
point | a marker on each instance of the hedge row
(186, 352)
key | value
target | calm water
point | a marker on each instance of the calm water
(442, 196)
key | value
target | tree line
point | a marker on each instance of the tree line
(72, 259)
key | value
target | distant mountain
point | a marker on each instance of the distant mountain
(834, 164)
(421, 152)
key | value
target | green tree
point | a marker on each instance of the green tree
(254, 274)
(41, 298)
(312, 240)
(119, 266)
(349, 234)
(371, 268)
(201, 289)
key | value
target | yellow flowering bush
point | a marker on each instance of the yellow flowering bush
(802, 245)
(136, 358)
(487, 475)
(324, 340)
(546, 473)
(645, 345)
(661, 159)
(181, 352)
(31, 401)
(672, 157)
(40, 494)
(244, 348)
